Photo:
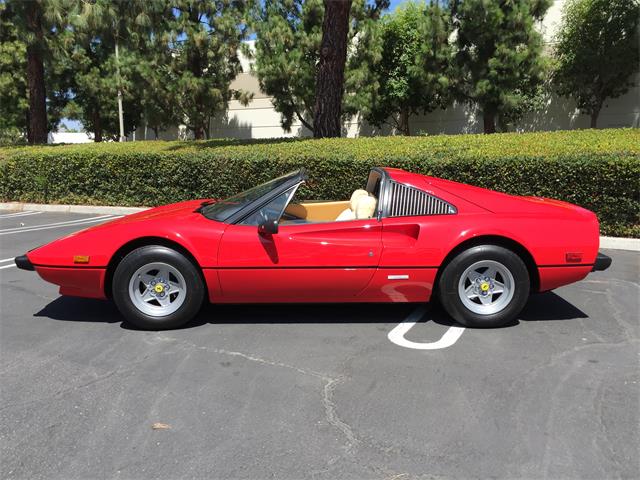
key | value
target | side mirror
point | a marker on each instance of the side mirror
(268, 227)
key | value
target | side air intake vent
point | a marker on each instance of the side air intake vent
(407, 201)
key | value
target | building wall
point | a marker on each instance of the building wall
(69, 137)
(260, 120)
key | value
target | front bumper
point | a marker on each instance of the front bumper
(602, 262)
(24, 263)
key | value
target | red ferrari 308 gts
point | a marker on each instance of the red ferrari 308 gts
(403, 238)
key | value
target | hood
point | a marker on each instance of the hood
(101, 241)
(174, 211)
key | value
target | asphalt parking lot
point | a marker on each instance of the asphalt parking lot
(315, 391)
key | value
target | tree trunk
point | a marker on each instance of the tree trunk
(156, 132)
(304, 122)
(97, 126)
(489, 120)
(37, 129)
(120, 109)
(330, 76)
(207, 128)
(198, 132)
(403, 122)
(28, 123)
(594, 118)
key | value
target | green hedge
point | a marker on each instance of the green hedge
(598, 169)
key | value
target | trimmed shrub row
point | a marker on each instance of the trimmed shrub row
(597, 169)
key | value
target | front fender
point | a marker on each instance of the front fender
(95, 247)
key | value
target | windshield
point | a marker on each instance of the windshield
(223, 209)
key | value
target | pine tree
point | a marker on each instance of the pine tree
(40, 24)
(498, 55)
(14, 105)
(287, 54)
(596, 52)
(413, 68)
(120, 55)
(206, 37)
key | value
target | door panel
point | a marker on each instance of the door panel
(302, 261)
(414, 241)
(292, 285)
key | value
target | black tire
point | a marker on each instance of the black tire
(450, 297)
(190, 305)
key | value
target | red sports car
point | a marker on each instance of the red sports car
(403, 238)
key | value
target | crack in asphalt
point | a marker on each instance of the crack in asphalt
(328, 388)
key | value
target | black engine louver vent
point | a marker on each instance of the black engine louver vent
(407, 201)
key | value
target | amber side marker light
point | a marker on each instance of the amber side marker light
(573, 257)
(81, 259)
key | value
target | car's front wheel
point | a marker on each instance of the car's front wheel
(157, 288)
(484, 286)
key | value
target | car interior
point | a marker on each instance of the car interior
(362, 205)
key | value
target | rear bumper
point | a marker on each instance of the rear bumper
(602, 262)
(23, 263)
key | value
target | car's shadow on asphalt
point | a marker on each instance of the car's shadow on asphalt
(541, 307)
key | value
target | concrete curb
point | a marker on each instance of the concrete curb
(617, 243)
(99, 210)
(614, 243)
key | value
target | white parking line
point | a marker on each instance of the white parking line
(19, 214)
(7, 266)
(70, 223)
(396, 335)
(77, 220)
(6, 260)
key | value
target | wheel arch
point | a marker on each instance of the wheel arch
(130, 246)
(500, 241)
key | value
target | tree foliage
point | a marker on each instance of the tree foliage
(13, 81)
(287, 53)
(498, 59)
(596, 52)
(175, 62)
(412, 73)
(33, 32)
(99, 26)
(205, 37)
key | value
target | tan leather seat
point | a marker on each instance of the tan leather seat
(365, 207)
(361, 205)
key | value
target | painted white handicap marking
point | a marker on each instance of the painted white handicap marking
(396, 335)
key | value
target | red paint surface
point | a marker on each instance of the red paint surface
(335, 261)
(554, 277)
(76, 282)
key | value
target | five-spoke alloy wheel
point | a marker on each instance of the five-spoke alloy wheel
(156, 288)
(484, 286)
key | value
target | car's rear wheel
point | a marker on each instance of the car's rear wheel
(157, 288)
(484, 286)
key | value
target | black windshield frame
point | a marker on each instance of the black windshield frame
(248, 202)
